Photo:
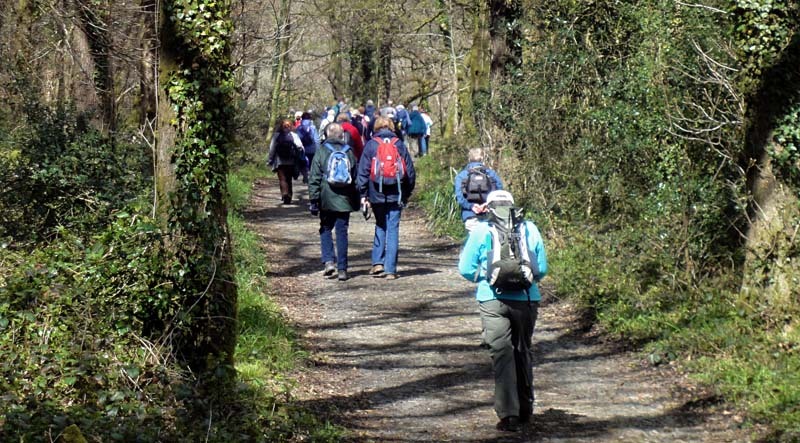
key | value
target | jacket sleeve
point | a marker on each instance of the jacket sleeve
(459, 191)
(364, 163)
(410, 180)
(296, 139)
(536, 244)
(271, 155)
(315, 178)
(469, 261)
(315, 136)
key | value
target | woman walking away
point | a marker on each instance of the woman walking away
(285, 152)
(386, 179)
(332, 192)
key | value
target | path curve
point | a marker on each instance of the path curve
(398, 361)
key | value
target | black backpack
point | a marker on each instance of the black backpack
(477, 185)
(511, 265)
(284, 145)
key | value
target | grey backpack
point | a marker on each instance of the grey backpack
(511, 266)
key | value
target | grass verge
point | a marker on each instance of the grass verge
(266, 349)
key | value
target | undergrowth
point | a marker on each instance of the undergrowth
(83, 349)
(738, 341)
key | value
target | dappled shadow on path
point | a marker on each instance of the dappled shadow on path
(398, 361)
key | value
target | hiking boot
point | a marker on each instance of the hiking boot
(342, 275)
(287, 199)
(508, 424)
(330, 268)
(390, 276)
(376, 270)
(525, 414)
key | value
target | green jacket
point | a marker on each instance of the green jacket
(336, 199)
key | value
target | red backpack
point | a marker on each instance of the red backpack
(387, 165)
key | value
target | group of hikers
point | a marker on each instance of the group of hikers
(358, 159)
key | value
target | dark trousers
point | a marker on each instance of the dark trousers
(285, 173)
(508, 330)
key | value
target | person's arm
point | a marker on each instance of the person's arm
(314, 136)
(536, 244)
(364, 164)
(358, 142)
(409, 181)
(297, 142)
(315, 178)
(271, 155)
(459, 191)
(469, 261)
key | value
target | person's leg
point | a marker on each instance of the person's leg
(342, 223)
(497, 327)
(327, 220)
(423, 146)
(304, 167)
(379, 241)
(524, 321)
(392, 238)
(413, 143)
(285, 182)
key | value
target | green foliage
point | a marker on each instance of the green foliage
(786, 151)
(435, 188)
(763, 29)
(73, 321)
(266, 347)
(58, 172)
(625, 134)
(85, 329)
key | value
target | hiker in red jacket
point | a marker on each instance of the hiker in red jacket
(353, 139)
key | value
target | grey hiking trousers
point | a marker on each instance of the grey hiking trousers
(508, 331)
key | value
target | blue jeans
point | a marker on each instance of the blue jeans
(423, 146)
(328, 221)
(304, 169)
(387, 235)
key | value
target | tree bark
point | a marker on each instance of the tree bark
(279, 61)
(193, 166)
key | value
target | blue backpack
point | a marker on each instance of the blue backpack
(304, 132)
(338, 168)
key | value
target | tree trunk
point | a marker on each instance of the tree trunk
(192, 169)
(279, 62)
(506, 35)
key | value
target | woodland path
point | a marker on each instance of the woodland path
(398, 361)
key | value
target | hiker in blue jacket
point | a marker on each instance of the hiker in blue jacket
(310, 139)
(416, 132)
(386, 200)
(508, 317)
(473, 206)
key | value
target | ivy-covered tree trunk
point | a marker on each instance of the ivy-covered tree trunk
(194, 133)
(506, 36)
(770, 52)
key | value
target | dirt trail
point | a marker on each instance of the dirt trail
(399, 360)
